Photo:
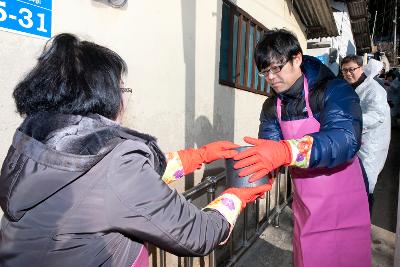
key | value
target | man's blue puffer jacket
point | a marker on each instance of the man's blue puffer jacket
(334, 104)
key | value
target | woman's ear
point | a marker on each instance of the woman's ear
(122, 107)
(119, 116)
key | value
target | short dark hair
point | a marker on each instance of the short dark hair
(72, 77)
(390, 74)
(352, 58)
(276, 45)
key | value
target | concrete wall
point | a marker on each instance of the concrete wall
(345, 41)
(172, 52)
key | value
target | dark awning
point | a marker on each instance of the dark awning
(358, 11)
(317, 17)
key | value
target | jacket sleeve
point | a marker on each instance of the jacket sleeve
(339, 137)
(269, 126)
(144, 207)
(373, 105)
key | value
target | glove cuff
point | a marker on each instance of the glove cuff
(191, 159)
(174, 170)
(300, 150)
(287, 151)
(228, 205)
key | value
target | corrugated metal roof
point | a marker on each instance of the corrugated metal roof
(317, 17)
(358, 8)
(358, 11)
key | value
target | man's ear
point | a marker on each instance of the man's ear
(297, 60)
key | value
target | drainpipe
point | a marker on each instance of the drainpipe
(395, 36)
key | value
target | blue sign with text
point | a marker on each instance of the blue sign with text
(323, 59)
(31, 17)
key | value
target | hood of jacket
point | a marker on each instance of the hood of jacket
(49, 151)
(317, 75)
(316, 72)
(373, 68)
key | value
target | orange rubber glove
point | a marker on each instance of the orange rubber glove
(192, 159)
(249, 194)
(265, 156)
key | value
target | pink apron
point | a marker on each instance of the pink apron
(142, 260)
(331, 219)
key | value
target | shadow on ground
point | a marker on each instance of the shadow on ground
(274, 246)
(384, 213)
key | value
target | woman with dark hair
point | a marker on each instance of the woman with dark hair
(77, 189)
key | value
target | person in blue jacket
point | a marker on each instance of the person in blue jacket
(312, 123)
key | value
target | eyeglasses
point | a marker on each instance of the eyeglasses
(272, 70)
(126, 90)
(350, 70)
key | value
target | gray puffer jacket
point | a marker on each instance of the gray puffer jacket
(83, 191)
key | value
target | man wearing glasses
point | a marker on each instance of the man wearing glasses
(313, 124)
(375, 114)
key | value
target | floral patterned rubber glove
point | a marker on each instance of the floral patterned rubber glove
(187, 161)
(233, 200)
(174, 170)
(193, 159)
(267, 155)
(249, 194)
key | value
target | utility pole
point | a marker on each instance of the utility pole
(383, 23)
(395, 36)
(373, 29)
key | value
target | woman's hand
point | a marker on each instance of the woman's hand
(249, 194)
(193, 159)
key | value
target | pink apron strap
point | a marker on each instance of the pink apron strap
(142, 259)
(278, 108)
(309, 111)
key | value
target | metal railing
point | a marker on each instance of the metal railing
(249, 226)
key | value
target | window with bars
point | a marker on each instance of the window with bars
(239, 36)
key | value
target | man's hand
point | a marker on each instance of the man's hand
(265, 156)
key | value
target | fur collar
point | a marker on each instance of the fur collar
(85, 135)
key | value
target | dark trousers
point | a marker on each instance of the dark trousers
(370, 203)
(370, 195)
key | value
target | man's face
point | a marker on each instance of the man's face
(282, 76)
(351, 72)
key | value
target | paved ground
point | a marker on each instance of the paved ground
(387, 188)
(274, 248)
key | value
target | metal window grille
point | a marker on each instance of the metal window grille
(239, 36)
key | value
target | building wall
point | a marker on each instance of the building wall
(172, 52)
(344, 43)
